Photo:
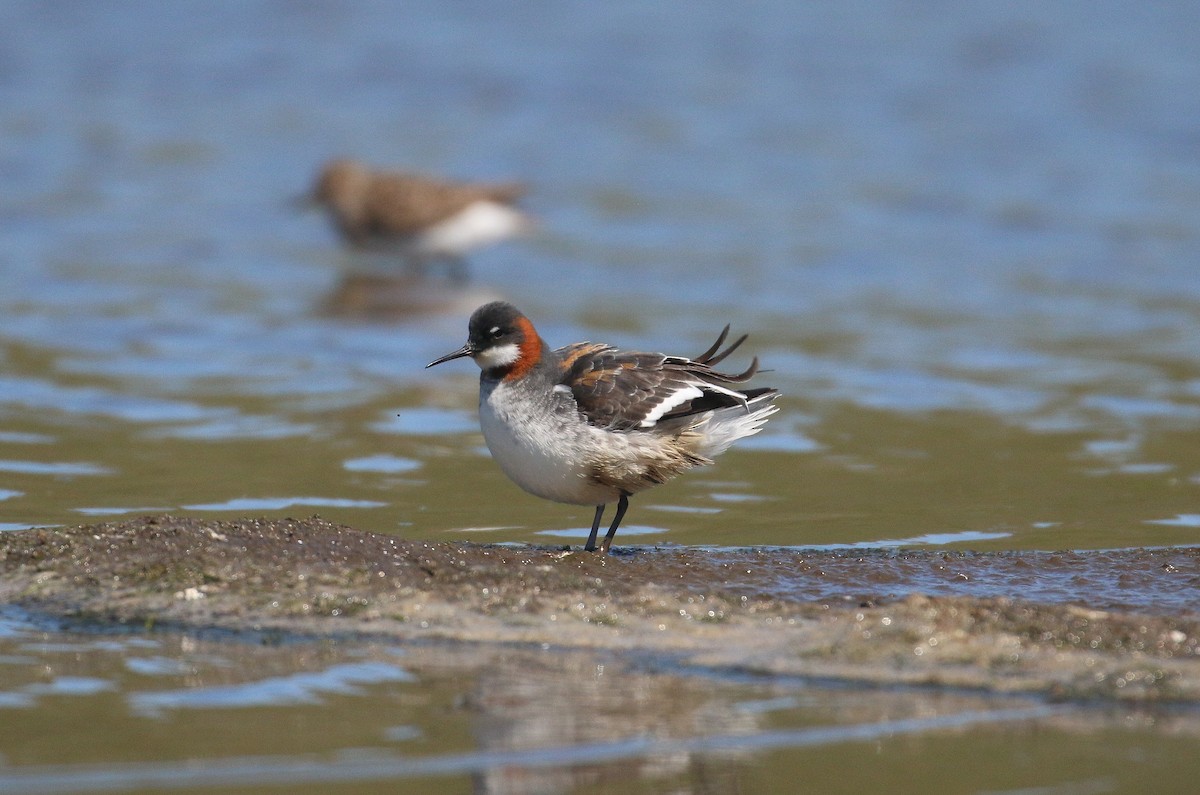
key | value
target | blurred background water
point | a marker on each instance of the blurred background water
(963, 238)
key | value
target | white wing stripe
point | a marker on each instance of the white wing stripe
(733, 393)
(670, 401)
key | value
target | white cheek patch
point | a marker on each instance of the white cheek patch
(499, 356)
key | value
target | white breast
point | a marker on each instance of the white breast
(542, 451)
(480, 224)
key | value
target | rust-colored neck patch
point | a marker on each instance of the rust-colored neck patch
(531, 351)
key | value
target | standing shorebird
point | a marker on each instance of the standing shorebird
(421, 218)
(588, 424)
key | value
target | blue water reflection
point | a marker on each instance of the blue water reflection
(983, 210)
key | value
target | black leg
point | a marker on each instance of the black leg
(591, 542)
(622, 505)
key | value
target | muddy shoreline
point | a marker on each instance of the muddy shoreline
(846, 616)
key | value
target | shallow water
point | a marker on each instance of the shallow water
(1146, 581)
(161, 711)
(964, 242)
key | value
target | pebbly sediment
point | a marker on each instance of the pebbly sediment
(746, 610)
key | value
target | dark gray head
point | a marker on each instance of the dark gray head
(499, 338)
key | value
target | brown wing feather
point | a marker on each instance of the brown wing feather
(619, 389)
(404, 204)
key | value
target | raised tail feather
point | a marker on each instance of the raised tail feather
(726, 425)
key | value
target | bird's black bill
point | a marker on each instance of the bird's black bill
(458, 354)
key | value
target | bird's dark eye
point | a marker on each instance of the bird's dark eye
(496, 333)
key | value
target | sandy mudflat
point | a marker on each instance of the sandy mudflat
(833, 615)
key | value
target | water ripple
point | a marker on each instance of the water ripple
(382, 462)
(43, 395)
(52, 468)
(279, 503)
(301, 688)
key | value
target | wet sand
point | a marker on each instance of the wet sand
(1110, 625)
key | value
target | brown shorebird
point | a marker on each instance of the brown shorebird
(421, 218)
